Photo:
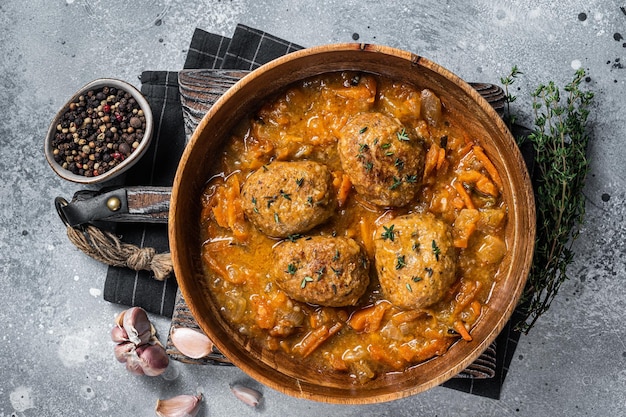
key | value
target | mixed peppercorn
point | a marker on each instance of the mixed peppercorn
(98, 131)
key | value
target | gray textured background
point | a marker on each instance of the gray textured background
(57, 358)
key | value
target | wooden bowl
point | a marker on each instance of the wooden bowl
(197, 165)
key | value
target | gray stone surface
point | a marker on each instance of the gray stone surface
(57, 357)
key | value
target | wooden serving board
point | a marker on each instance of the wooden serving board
(199, 89)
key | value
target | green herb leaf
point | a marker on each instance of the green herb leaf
(305, 281)
(291, 269)
(436, 250)
(294, 237)
(388, 233)
(402, 135)
(400, 262)
(320, 272)
(396, 183)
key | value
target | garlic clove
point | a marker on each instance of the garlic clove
(137, 325)
(153, 359)
(119, 320)
(123, 350)
(180, 406)
(248, 395)
(119, 335)
(191, 343)
(134, 363)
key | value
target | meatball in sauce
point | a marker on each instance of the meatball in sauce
(285, 198)
(415, 260)
(384, 160)
(322, 270)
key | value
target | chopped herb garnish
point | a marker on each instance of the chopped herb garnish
(294, 237)
(399, 164)
(305, 281)
(270, 200)
(265, 168)
(416, 246)
(396, 183)
(400, 262)
(309, 200)
(337, 271)
(300, 181)
(408, 287)
(336, 257)
(363, 147)
(411, 179)
(334, 287)
(320, 272)
(416, 279)
(363, 130)
(276, 218)
(376, 141)
(402, 135)
(389, 153)
(291, 269)
(256, 209)
(386, 145)
(429, 271)
(368, 166)
(285, 195)
(389, 233)
(436, 250)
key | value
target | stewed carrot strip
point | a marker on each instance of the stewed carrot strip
(489, 166)
(432, 156)
(459, 327)
(315, 338)
(464, 195)
(368, 319)
(343, 190)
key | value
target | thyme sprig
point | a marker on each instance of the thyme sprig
(560, 138)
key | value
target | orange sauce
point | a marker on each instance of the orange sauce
(373, 337)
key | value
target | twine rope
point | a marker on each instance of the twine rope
(107, 248)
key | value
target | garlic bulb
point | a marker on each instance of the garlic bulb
(191, 343)
(180, 406)
(137, 345)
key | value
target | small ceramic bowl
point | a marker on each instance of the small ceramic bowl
(126, 161)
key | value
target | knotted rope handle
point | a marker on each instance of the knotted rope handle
(107, 248)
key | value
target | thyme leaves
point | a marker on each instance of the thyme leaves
(559, 138)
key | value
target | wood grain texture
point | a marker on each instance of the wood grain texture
(480, 120)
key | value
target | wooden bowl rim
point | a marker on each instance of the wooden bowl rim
(526, 198)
